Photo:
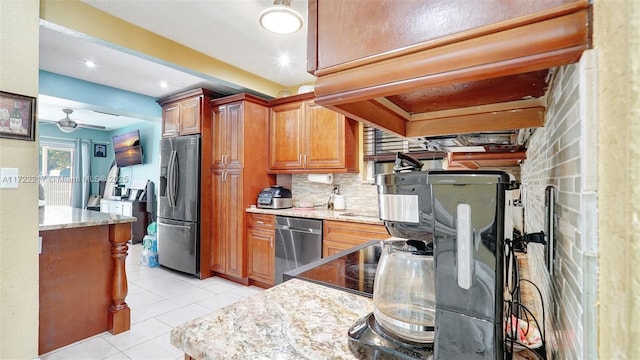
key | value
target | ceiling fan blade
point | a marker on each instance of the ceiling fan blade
(99, 127)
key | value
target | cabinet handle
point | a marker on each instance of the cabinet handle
(271, 241)
(260, 222)
(305, 160)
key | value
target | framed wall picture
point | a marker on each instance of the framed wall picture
(99, 150)
(17, 116)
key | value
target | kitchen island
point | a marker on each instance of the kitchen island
(294, 320)
(306, 317)
(83, 282)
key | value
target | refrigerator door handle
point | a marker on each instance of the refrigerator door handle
(173, 173)
(170, 179)
(175, 226)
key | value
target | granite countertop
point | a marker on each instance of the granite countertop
(323, 214)
(65, 217)
(294, 320)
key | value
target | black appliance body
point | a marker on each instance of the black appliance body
(179, 204)
(462, 214)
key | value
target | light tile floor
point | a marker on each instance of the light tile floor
(160, 299)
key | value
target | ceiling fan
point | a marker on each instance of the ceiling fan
(67, 125)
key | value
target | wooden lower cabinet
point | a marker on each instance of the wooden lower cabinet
(229, 250)
(261, 247)
(341, 235)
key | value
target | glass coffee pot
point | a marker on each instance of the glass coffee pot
(404, 290)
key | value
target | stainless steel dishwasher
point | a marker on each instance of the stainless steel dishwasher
(298, 242)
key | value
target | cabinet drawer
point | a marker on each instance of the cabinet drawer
(342, 235)
(261, 221)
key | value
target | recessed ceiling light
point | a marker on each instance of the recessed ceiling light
(163, 84)
(90, 63)
(284, 60)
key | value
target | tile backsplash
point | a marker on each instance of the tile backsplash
(359, 196)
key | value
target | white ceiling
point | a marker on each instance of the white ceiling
(227, 30)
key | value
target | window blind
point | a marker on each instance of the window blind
(382, 146)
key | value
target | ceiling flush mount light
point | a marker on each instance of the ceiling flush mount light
(281, 18)
(90, 64)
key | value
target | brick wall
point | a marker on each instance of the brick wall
(563, 154)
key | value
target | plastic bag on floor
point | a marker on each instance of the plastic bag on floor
(149, 255)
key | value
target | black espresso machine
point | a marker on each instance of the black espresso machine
(458, 216)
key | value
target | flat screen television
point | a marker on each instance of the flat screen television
(128, 149)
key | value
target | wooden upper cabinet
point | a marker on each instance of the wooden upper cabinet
(171, 120)
(190, 116)
(306, 137)
(444, 66)
(227, 129)
(182, 114)
(287, 136)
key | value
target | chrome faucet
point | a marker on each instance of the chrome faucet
(334, 192)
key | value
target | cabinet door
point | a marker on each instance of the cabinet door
(261, 247)
(227, 136)
(219, 137)
(115, 208)
(104, 206)
(261, 255)
(127, 209)
(218, 221)
(171, 120)
(287, 127)
(324, 138)
(235, 254)
(190, 116)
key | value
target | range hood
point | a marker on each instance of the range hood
(486, 69)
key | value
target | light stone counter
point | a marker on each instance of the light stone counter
(294, 320)
(323, 214)
(65, 217)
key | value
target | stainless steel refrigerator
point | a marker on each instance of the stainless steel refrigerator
(179, 204)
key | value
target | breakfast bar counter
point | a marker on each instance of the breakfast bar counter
(294, 320)
(83, 282)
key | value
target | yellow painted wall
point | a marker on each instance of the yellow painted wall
(617, 41)
(19, 208)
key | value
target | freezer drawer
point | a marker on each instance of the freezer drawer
(178, 245)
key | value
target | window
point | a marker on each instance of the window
(380, 148)
(56, 170)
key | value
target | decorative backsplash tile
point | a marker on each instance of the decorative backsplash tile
(359, 196)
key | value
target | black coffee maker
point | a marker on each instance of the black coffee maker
(460, 214)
